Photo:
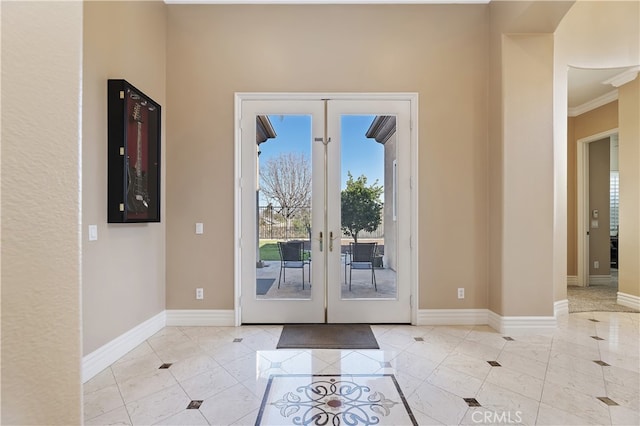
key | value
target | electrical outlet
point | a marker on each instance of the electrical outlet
(461, 293)
(199, 293)
(596, 264)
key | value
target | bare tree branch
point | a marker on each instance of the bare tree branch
(285, 181)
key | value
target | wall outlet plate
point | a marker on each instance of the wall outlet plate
(461, 293)
(199, 293)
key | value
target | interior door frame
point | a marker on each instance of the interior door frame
(583, 213)
(412, 98)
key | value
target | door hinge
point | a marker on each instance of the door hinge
(411, 301)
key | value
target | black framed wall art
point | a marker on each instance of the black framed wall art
(134, 155)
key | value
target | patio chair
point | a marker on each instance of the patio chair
(361, 256)
(292, 256)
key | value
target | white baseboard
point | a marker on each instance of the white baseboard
(107, 354)
(572, 280)
(561, 307)
(504, 325)
(599, 279)
(201, 317)
(628, 300)
(452, 317)
(514, 325)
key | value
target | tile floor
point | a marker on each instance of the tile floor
(566, 377)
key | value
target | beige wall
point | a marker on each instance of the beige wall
(527, 200)
(214, 51)
(41, 353)
(538, 19)
(590, 123)
(123, 272)
(629, 162)
(572, 199)
(599, 177)
(611, 41)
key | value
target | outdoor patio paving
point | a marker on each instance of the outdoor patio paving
(361, 286)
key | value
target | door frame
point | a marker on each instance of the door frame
(412, 98)
(582, 211)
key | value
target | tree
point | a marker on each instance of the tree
(285, 180)
(361, 206)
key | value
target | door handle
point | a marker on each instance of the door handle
(331, 238)
(321, 238)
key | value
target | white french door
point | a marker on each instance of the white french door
(296, 160)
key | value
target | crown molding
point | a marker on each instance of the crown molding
(594, 103)
(624, 77)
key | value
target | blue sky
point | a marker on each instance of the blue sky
(360, 155)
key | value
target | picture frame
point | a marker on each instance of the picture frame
(134, 121)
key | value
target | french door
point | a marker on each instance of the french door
(325, 210)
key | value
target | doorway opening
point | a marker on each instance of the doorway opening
(598, 226)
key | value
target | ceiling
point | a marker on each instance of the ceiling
(589, 87)
(327, 1)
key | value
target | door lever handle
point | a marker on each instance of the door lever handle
(331, 238)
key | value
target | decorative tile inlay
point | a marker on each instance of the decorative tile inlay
(472, 402)
(276, 364)
(602, 363)
(237, 339)
(385, 364)
(596, 338)
(165, 366)
(593, 320)
(507, 338)
(195, 404)
(494, 363)
(334, 400)
(607, 400)
(418, 339)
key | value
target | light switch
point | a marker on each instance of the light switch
(93, 232)
(594, 223)
(199, 228)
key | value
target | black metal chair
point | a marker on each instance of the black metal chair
(361, 256)
(292, 256)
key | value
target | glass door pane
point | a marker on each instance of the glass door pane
(284, 196)
(368, 249)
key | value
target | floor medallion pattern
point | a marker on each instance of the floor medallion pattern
(303, 399)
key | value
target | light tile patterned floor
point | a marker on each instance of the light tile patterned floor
(549, 379)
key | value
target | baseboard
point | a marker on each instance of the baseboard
(503, 325)
(452, 316)
(524, 324)
(561, 307)
(106, 355)
(599, 279)
(201, 317)
(572, 280)
(628, 300)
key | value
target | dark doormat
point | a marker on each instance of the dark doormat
(327, 336)
(263, 285)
